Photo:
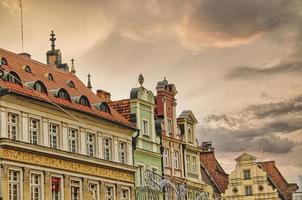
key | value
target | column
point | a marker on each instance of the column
(45, 133)
(67, 191)
(64, 137)
(5, 181)
(3, 123)
(47, 186)
(26, 183)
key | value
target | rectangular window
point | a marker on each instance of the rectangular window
(188, 162)
(170, 127)
(176, 160)
(107, 145)
(246, 174)
(124, 194)
(34, 126)
(90, 140)
(56, 188)
(166, 157)
(194, 165)
(75, 190)
(14, 185)
(109, 193)
(141, 175)
(190, 135)
(123, 152)
(53, 136)
(12, 126)
(93, 189)
(73, 140)
(35, 187)
(145, 127)
(248, 190)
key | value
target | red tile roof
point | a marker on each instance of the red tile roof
(278, 180)
(214, 169)
(122, 107)
(39, 71)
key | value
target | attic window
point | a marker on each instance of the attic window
(63, 94)
(84, 101)
(27, 69)
(70, 84)
(13, 77)
(50, 77)
(3, 61)
(40, 87)
(105, 108)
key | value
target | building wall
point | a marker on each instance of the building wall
(25, 158)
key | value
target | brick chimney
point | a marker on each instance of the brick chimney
(103, 95)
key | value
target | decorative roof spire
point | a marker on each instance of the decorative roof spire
(89, 82)
(72, 67)
(141, 79)
(52, 39)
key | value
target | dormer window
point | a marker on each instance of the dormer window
(84, 101)
(40, 87)
(27, 69)
(3, 61)
(61, 93)
(50, 77)
(103, 106)
(71, 84)
(13, 77)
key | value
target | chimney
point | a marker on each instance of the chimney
(25, 55)
(207, 147)
(54, 56)
(103, 95)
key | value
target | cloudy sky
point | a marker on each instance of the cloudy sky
(236, 63)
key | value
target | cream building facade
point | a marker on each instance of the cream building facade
(249, 181)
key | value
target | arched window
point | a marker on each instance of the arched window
(71, 84)
(105, 108)
(13, 77)
(40, 87)
(27, 69)
(50, 77)
(3, 61)
(63, 94)
(84, 101)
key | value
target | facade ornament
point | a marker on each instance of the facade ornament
(89, 82)
(141, 79)
(72, 67)
(52, 39)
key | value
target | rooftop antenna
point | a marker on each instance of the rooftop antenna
(21, 12)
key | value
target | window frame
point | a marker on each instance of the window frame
(176, 159)
(145, 129)
(18, 183)
(128, 193)
(34, 131)
(60, 188)
(248, 190)
(166, 157)
(169, 125)
(90, 144)
(34, 185)
(10, 124)
(107, 147)
(52, 135)
(247, 174)
(112, 196)
(74, 139)
(75, 185)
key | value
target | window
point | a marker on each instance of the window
(170, 129)
(12, 126)
(75, 190)
(176, 160)
(56, 188)
(14, 185)
(188, 160)
(107, 148)
(13, 78)
(50, 77)
(145, 127)
(109, 193)
(154, 173)
(125, 194)
(105, 108)
(123, 152)
(84, 101)
(27, 69)
(166, 157)
(35, 187)
(248, 190)
(93, 189)
(141, 175)
(70, 84)
(246, 174)
(190, 135)
(34, 130)
(53, 135)
(3, 61)
(63, 94)
(40, 87)
(90, 144)
(73, 140)
(194, 165)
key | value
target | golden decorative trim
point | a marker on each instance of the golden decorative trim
(60, 164)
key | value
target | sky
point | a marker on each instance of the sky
(237, 64)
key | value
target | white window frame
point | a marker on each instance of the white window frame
(166, 157)
(190, 135)
(176, 159)
(141, 174)
(19, 183)
(247, 191)
(122, 194)
(12, 125)
(112, 195)
(53, 134)
(145, 130)
(61, 191)
(123, 152)
(76, 184)
(188, 163)
(107, 147)
(248, 174)
(91, 145)
(74, 139)
(170, 125)
(94, 193)
(39, 185)
(194, 163)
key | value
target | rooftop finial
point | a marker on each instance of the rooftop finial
(141, 79)
(72, 66)
(52, 39)
(89, 82)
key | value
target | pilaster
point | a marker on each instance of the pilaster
(47, 186)
(118, 192)
(67, 191)
(102, 190)
(85, 189)
(4, 181)
(3, 123)
(45, 133)
(26, 183)
(24, 129)
(64, 137)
